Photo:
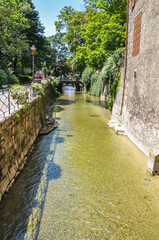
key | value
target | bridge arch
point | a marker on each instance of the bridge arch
(77, 83)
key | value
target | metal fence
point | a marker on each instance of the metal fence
(8, 105)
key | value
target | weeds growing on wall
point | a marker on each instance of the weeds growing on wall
(49, 90)
(94, 82)
(48, 95)
(113, 66)
(54, 85)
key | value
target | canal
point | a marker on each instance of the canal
(82, 181)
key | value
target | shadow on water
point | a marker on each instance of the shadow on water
(94, 115)
(98, 102)
(63, 102)
(59, 108)
(21, 213)
(66, 102)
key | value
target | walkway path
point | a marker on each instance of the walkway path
(8, 105)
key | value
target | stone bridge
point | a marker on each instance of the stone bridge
(77, 83)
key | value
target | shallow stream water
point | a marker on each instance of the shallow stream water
(82, 181)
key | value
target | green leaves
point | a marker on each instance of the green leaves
(7, 77)
(20, 28)
(13, 24)
(94, 81)
(86, 76)
(20, 93)
(93, 34)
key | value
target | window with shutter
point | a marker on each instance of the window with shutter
(137, 34)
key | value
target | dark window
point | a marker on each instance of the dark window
(137, 34)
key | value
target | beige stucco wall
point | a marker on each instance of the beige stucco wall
(140, 116)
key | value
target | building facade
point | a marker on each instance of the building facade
(139, 113)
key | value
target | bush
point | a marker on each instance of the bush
(3, 77)
(25, 78)
(37, 87)
(7, 77)
(45, 83)
(20, 93)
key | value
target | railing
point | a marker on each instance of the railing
(72, 80)
(8, 105)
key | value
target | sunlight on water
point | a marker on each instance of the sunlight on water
(105, 191)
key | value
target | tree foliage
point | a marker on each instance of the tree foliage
(20, 28)
(92, 35)
(13, 25)
(84, 39)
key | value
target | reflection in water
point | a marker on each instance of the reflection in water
(82, 182)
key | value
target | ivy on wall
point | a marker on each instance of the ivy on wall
(94, 81)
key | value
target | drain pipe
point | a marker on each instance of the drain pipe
(126, 57)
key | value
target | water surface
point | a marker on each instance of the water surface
(82, 181)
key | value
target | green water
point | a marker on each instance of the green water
(86, 182)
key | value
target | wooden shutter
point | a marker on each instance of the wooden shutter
(137, 34)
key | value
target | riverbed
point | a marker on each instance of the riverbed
(82, 181)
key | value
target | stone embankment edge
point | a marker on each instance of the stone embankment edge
(120, 129)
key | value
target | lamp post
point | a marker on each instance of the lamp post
(45, 69)
(33, 51)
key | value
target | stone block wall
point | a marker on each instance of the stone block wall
(17, 134)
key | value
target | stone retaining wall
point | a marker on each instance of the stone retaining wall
(17, 134)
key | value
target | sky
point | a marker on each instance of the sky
(49, 10)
